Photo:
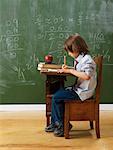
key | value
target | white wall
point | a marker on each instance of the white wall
(41, 107)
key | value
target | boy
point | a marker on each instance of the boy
(85, 71)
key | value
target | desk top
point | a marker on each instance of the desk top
(46, 72)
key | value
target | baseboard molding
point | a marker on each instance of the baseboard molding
(106, 106)
(41, 107)
(24, 107)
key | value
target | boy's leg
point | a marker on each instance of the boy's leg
(57, 114)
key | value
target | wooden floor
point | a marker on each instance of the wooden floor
(25, 131)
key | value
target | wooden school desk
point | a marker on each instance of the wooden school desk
(53, 82)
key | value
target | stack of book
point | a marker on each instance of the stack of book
(48, 67)
(42, 66)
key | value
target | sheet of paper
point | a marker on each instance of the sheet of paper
(52, 70)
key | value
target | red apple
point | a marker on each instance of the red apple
(48, 58)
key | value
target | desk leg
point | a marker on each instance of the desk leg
(48, 120)
(52, 84)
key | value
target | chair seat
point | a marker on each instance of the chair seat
(81, 110)
(91, 100)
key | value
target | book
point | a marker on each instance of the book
(48, 70)
(55, 66)
(51, 67)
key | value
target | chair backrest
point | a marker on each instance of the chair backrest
(98, 60)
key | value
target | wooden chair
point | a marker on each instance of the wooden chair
(88, 110)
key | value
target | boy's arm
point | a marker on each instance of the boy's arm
(78, 74)
(74, 72)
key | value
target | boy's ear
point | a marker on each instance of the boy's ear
(78, 47)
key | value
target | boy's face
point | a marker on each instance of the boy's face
(73, 54)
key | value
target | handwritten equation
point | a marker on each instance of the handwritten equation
(54, 29)
(12, 49)
(9, 40)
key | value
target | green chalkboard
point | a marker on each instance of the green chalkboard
(30, 29)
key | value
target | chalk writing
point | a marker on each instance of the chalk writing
(10, 39)
(49, 33)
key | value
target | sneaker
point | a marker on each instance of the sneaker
(59, 131)
(50, 128)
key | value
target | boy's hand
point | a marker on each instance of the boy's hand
(64, 66)
(60, 71)
(66, 70)
(63, 70)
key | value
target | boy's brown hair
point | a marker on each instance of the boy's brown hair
(76, 43)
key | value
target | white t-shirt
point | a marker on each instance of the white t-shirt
(85, 88)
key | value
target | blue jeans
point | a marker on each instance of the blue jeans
(57, 113)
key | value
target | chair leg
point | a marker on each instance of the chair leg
(66, 121)
(97, 126)
(91, 125)
(66, 130)
(97, 129)
(47, 120)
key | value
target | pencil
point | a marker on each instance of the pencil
(64, 60)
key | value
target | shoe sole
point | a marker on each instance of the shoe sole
(49, 130)
(59, 135)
